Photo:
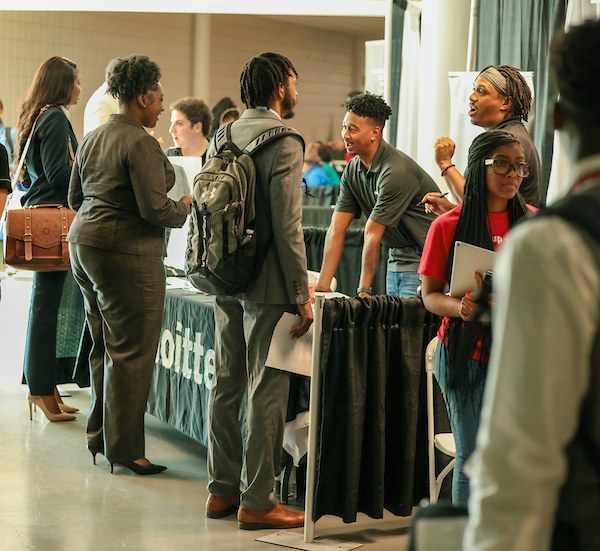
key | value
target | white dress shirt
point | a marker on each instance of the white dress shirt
(548, 295)
(98, 109)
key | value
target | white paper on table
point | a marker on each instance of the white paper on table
(186, 169)
(287, 354)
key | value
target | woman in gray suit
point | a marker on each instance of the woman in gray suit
(119, 189)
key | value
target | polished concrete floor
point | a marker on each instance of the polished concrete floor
(52, 498)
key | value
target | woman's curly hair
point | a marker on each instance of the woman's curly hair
(132, 76)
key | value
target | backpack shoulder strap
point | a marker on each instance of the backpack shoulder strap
(223, 140)
(269, 135)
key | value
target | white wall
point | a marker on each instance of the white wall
(330, 64)
(91, 40)
(443, 49)
(326, 63)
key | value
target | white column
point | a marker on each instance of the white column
(444, 40)
(200, 69)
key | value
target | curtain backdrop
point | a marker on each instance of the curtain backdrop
(407, 108)
(398, 7)
(578, 11)
(518, 33)
(348, 272)
(372, 438)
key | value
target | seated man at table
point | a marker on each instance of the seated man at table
(387, 185)
(313, 172)
(326, 156)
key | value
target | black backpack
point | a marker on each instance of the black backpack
(222, 256)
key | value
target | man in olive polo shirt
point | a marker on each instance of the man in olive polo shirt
(387, 186)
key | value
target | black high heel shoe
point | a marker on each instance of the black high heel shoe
(137, 468)
(95, 450)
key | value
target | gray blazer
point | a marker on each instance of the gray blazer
(119, 187)
(283, 278)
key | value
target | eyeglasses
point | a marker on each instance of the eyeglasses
(503, 168)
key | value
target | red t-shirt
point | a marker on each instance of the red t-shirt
(437, 249)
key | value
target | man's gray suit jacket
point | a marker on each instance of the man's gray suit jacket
(283, 277)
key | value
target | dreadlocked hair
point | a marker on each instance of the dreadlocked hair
(261, 76)
(517, 89)
(473, 227)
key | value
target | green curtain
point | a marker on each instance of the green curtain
(398, 9)
(518, 33)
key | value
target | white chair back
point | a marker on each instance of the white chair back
(442, 441)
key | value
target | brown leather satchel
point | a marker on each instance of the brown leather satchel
(36, 238)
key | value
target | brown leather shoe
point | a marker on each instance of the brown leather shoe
(280, 517)
(220, 507)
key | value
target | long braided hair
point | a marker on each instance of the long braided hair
(473, 227)
(261, 76)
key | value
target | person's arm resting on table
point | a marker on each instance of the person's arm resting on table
(370, 254)
(334, 245)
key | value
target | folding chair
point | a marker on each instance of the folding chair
(443, 441)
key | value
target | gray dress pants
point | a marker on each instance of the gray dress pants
(124, 297)
(242, 338)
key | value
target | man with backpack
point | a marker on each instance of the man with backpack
(535, 473)
(245, 321)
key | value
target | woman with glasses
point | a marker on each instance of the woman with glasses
(491, 206)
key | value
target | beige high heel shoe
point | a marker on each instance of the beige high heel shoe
(37, 401)
(62, 406)
(67, 409)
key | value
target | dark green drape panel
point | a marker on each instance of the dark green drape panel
(398, 9)
(372, 439)
(518, 33)
(321, 196)
(348, 272)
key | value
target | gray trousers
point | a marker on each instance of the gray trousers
(124, 297)
(242, 338)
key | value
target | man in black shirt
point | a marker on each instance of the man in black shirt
(387, 186)
(501, 100)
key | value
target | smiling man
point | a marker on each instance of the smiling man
(387, 186)
(501, 100)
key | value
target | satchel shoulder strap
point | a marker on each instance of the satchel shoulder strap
(26, 148)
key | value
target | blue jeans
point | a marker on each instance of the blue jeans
(402, 284)
(463, 422)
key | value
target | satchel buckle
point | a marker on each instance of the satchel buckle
(27, 235)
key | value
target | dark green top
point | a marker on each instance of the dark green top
(48, 170)
(390, 193)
